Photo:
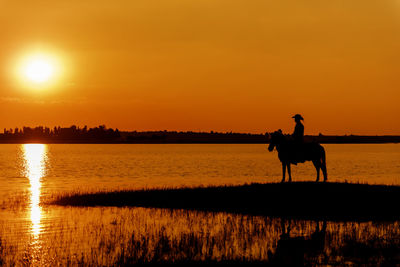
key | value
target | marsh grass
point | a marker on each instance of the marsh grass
(370, 246)
(16, 202)
(81, 231)
(122, 236)
(110, 236)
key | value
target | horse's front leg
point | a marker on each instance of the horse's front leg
(283, 171)
(289, 172)
(317, 166)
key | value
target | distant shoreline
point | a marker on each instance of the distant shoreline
(103, 135)
(173, 143)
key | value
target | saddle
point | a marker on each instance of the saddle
(298, 154)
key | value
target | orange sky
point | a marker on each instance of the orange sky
(225, 65)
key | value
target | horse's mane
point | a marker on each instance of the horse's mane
(279, 134)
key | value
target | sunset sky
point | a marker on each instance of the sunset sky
(201, 65)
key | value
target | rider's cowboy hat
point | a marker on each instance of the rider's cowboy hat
(298, 116)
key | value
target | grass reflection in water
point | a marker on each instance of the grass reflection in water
(122, 236)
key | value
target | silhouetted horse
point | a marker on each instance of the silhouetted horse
(290, 152)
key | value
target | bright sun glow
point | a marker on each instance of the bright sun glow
(38, 70)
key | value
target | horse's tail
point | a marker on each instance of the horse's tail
(323, 164)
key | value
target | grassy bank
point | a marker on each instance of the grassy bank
(305, 200)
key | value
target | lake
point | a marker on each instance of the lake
(38, 234)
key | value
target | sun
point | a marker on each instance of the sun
(38, 68)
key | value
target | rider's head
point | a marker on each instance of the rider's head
(297, 118)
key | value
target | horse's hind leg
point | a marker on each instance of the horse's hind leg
(289, 172)
(317, 165)
(323, 167)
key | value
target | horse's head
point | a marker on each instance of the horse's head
(275, 139)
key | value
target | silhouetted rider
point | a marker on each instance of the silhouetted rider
(298, 138)
(298, 134)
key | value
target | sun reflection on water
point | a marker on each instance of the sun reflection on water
(35, 156)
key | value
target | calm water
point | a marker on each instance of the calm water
(37, 234)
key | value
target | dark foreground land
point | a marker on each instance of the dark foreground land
(302, 200)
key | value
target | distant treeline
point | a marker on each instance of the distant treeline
(71, 134)
(102, 134)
